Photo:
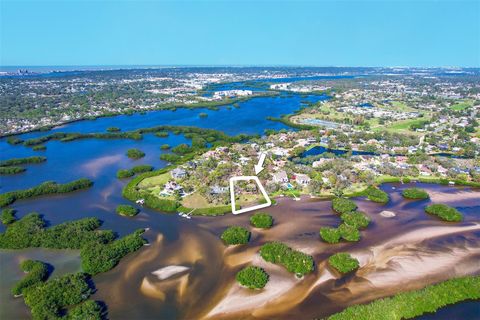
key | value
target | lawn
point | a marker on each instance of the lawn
(401, 106)
(404, 125)
(461, 105)
(196, 200)
(156, 181)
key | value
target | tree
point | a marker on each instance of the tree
(252, 277)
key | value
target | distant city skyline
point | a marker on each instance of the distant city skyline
(240, 33)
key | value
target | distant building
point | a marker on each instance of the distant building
(302, 179)
(218, 189)
(178, 173)
(280, 177)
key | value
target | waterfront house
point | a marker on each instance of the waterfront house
(216, 189)
(280, 177)
(302, 179)
(170, 188)
(178, 173)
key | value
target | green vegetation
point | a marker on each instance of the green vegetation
(352, 221)
(261, 220)
(132, 192)
(8, 216)
(330, 235)
(127, 210)
(294, 261)
(444, 212)
(173, 158)
(49, 300)
(404, 126)
(214, 137)
(342, 205)
(412, 304)
(415, 193)
(18, 161)
(461, 105)
(135, 153)
(113, 129)
(127, 173)
(203, 115)
(182, 149)
(343, 262)
(30, 231)
(165, 146)
(66, 137)
(202, 140)
(40, 147)
(99, 251)
(161, 134)
(252, 277)
(101, 257)
(349, 233)
(355, 219)
(142, 168)
(11, 170)
(124, 173)
(37, 272)
(54, 299)
(14, 140)
(376, 195)
(235, 235)
(209, 211)
(90, 310)
(45, 188)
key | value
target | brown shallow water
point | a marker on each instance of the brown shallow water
(406, 252)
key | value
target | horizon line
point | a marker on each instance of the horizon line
(237, 66)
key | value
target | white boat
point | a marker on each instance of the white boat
(186, 215)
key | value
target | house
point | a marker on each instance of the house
(320, 162)
(324, 140)
(325, 181)
(280, 177)
(170, 188)
(442, 170)
(302, 179)
(243, 160)
(192, 164)
(216, 189)
(424, 170)
(178, 173)
(279, 152)
(303, 142)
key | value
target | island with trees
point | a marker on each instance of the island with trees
(127, 210)
(415, 194)
(411, 304)
(261, 220)
(352, 222)
(45, 188)
(135, 154)
(444, 212)
(252, 277)
(235, 235)
(343, 262)
(294, 261)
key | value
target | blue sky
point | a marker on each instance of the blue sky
(319, 33)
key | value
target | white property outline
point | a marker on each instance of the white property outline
(262, 190)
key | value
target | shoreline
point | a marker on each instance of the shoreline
(211, 106)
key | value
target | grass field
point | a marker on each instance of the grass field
(401, 106)
(196, 200)
(461, 105)
(156, 181)
(404, 125)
